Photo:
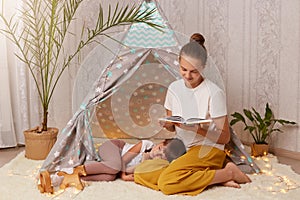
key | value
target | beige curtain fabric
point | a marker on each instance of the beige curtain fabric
(7, 132)
(19, 103)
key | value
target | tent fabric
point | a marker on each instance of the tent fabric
(131, 87)
(237, 153)
(141, 35)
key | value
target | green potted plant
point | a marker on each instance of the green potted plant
(260, 127)
(40, 33)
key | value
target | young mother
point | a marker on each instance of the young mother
(196, 96)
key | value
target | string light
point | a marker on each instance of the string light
(281, 184)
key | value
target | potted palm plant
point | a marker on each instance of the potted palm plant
(40, 33)
(260, 127)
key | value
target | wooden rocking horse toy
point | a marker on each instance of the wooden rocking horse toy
(73, 179)
(45, 183)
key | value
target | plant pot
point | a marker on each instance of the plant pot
(38, 145)
(259, 149)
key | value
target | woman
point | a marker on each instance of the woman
(190, 97)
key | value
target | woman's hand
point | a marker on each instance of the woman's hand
(168, 125)
(193, 127)
(217, 131)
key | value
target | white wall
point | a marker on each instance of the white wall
(256, 45)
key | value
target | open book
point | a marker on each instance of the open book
(179, 119)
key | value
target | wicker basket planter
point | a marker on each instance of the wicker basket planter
(259, 149)
(38, 145)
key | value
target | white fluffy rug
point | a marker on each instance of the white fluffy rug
(278, 181)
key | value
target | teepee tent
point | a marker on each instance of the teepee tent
(127, 94)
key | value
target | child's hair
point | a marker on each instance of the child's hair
(174, 149)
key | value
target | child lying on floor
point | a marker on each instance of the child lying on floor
(120, 158)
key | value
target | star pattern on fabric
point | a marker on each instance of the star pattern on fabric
(109, 74)
(57, 168)
(88, 157)
(70, 123)
(71, 161)
(119, 66)
(98, 90)
(56, 154)
(132, 51)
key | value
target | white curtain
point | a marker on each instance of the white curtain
(19, 108)
(7, 131)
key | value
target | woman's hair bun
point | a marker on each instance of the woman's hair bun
(197, 37)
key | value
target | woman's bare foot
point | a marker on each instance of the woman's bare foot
(231, 184)
(237, 175)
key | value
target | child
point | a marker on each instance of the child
(118, 157)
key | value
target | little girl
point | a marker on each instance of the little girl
(118, 157)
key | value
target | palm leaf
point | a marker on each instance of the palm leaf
(44, 31)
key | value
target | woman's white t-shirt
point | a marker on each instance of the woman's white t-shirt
(206, 101)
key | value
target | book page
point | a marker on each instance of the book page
(175, 119)
(190, 121)
(197, 121)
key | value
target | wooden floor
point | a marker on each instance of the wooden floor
(295, 164)
(9, 153)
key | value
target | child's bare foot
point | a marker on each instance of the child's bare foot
(231, 184)
(237, 175)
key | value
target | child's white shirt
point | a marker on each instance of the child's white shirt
(146, 145)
